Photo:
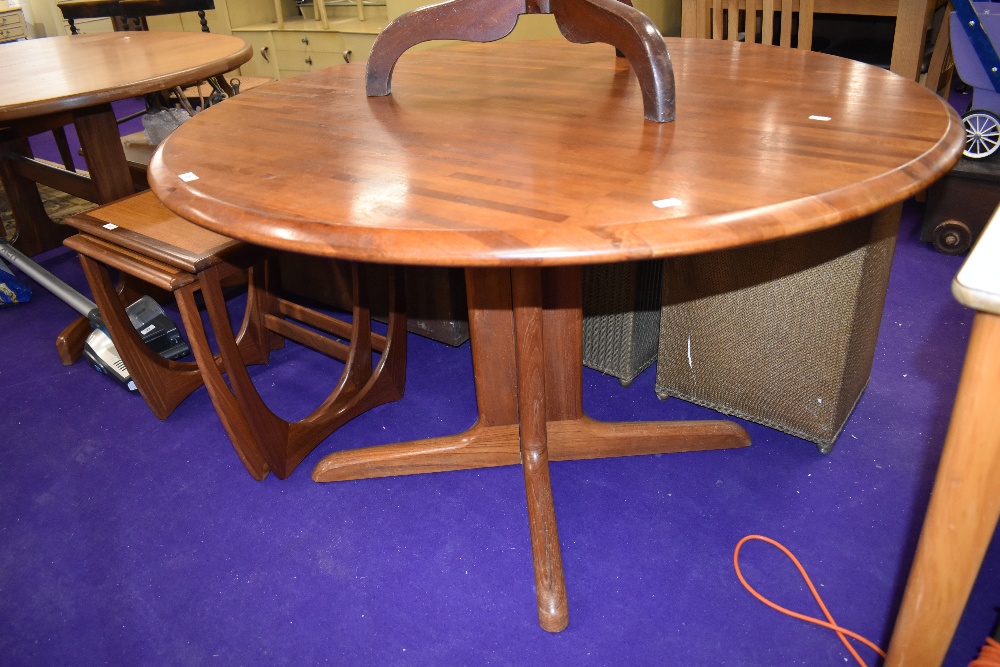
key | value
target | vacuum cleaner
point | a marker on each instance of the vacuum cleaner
(156, 329)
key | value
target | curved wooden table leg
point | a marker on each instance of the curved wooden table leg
(632, 33)
(163, 383)
(285, 444)
(466, 20)
(70, 341)
(252, 342)
(963, 512)
(614, 22)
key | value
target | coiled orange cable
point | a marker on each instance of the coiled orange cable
(989, 654)
(843, 633)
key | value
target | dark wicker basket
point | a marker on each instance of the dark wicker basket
(780, 333)
(621, 317)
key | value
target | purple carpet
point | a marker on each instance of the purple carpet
(129, 541)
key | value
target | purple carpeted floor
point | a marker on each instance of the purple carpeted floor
(129, 541)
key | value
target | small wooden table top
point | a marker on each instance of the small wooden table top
(41, 76)
(48, 83)
(523, 161)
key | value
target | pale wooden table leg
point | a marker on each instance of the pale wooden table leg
(963, 512)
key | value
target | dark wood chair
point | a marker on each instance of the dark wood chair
(137, 10)
(75, 10)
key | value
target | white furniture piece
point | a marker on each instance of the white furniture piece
(12, 25)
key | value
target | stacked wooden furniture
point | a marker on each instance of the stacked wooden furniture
(139, 237)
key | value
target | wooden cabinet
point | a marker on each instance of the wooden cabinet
(305, 51)
(289, 40)
(264, 62)
(11, 25)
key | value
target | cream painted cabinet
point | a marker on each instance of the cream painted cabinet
(302, 40)
(305, 51)
(11, 25)
(264, 62)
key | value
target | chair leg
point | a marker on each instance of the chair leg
(285, 444)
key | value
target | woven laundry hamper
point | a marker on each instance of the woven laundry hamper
(621, 317)
(780, 333)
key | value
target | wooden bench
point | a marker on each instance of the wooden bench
(141, 238)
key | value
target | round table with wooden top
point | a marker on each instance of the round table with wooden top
(524, 161)
(72, 80)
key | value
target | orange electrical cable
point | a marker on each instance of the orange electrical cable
(989, 654)
(843, 633)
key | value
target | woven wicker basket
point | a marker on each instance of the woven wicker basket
(779, 333)
(621, 317)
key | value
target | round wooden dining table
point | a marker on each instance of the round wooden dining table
(72, 80)
(524, 161)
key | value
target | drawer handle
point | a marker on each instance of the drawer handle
(263, 53)
(347, 56)
(309, 60)
(305, 40)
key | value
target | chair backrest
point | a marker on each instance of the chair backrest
(74, 10)
(941, 68)
(741, 20)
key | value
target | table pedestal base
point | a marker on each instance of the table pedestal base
(526, 327)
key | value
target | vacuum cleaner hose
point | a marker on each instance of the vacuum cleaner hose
(67, 294)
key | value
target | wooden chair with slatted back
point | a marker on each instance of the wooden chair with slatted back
(941, 68)
(732, 20)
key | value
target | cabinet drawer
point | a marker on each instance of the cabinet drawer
(359, 45)
(309, 41)
(260, 64)
(295, 63)
(11, 33)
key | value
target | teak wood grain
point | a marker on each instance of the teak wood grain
(521, 162)
(536, 153)
(70, 72)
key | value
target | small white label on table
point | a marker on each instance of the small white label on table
(822, 118)
(666, 203)
(188, 177)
